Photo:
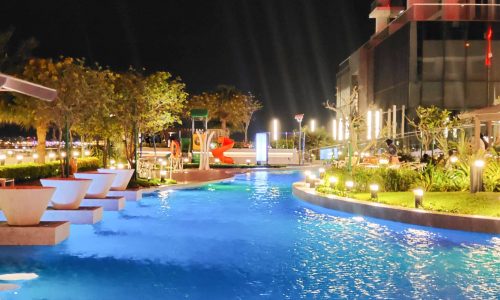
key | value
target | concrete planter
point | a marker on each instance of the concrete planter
(69, 191)
(122, 178)
(25, 205)
(101, 183)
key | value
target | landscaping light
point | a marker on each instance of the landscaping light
(275, 129)
(247, 161)
(349, 184)
(160, 160)
(121, 166)
(86, 153)
(186, 160)
(313, 125)
(321, 172)
(10, 153)
(312, 181)
(217, 161)
(479, 163)
(52, 155)
(476, 176)
(3, 157)
(453, 159)
(76, 153)
(163, 174)
(383, 161)
(164, 163)
(112, 161)
(63, 154)
(35, 156)
(333, 181)
(340, 152)
(419, 196)
(307, 173)
(19, 158)
(374, 191)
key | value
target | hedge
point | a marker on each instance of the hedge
(33, 171)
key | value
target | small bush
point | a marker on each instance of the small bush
(33, 171)
(88, 164)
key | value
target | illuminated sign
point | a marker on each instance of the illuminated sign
(261, 144)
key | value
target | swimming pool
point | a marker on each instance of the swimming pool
(251, 239)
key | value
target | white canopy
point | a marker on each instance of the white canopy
(12, 84)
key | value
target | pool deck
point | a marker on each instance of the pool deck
(399, 214)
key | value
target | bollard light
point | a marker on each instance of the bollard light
(164, 163)
(321, 172)
(86, 153)
(52, 155)
(63, 154)
(349, 185)
(453, 159)
(479, 163)
(76, 153)
(35, 156)
(112, 161)
(383, 161)
(373, 191)
(333, 181)
(19, 158)
(307, 174)
(120, 166)
(419, 197)
(217, 161)
(163, 174)
(247, 161)
(312, 181)
(10, 153)
(186, 160)
(3, 157)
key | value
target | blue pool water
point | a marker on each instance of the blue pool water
(251, 239)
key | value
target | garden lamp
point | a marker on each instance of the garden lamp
(419, 197)
(333, 181)
(373, 191)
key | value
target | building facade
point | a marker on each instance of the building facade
(424, 52)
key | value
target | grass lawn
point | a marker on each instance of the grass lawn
(486, 204)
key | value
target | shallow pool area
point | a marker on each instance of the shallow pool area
(249, 238)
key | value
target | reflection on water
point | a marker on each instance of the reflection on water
(252, 239)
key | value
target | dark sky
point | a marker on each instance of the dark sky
(284, 51)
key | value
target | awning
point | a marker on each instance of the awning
(12, 84)
(485, 114)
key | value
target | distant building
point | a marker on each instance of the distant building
(444, 53)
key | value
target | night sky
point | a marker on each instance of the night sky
(284, 51)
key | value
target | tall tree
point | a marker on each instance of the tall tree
(248, 107)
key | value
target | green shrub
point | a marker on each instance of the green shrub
(33, 171)
(491, 177)
(88, 164)
(388, 179)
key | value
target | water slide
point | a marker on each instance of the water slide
(227, 144)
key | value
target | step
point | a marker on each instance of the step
(110, 203)
(130, 195)
(82, 215)
(43, 234)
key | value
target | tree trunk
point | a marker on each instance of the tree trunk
(246, 132)
(41, 135)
